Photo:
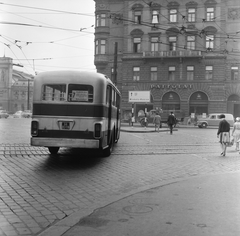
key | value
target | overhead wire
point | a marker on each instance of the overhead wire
(46, 9)
(17, 42)
(148, 24)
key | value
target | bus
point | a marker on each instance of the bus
(75, 109)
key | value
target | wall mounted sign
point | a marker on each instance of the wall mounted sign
(171, 86)
(138, 96)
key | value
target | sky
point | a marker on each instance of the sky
(48, 35)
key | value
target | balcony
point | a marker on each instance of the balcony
(172, 54)
(102, 30)
(101, 59)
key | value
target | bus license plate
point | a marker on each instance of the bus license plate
(65, 125)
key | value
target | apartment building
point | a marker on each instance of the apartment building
(186, 53)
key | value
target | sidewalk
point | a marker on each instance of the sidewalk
(137, 128)
(199, 206)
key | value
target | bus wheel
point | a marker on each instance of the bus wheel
(107, 151)
(53, 150)
(118, 137)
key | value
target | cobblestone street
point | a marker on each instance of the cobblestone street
(38, 190)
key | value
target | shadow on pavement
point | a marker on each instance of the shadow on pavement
(74, 159)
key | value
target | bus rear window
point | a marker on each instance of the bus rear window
(80, 93)
(54, 92)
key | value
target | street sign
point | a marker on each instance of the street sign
(139, 96)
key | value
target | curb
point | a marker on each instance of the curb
(141, 131)
(132, 130)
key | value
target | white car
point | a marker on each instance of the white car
(214, 120)
(18, 114)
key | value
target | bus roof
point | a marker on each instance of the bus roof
(56, 76)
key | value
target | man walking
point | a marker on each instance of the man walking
(171, 121)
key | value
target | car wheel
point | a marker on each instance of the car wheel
(204, 125)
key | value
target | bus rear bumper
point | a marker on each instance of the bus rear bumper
(59, 142)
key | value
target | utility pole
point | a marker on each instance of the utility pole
(115, 64)
(28, 96)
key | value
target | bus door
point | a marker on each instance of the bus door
(109, 113)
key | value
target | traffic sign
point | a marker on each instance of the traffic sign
(139, 96)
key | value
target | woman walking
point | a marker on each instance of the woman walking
(236, 133)
(157, 121)
(224, 132)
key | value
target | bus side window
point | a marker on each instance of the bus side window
(108, 95)
(113, 97)
(118, 100)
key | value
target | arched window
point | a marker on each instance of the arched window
(171, 101)
(198, 103)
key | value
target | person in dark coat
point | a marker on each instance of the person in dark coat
(224, 132)
(171, 121)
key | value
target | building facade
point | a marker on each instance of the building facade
(16, 87)
(186, 53)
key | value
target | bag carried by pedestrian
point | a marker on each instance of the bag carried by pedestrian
(230, 144)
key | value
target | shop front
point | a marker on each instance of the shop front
(233, 105)
(193, 99)
(198, 103)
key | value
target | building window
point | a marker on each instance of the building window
(154, 44)
(172, 43)
(210, 13)
(191, 14)
(171, 73)
(100, 20)
(155, 17)
(100, 46)
(209, 42)
(234, 73)
(136, 44)
(136, 73)
(173, 15)
(191, 42)
(209, 73)
(154, 73)
(137, 17)
(190, 72)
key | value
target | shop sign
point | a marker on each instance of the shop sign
(171, 86)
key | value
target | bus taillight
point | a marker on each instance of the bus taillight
(34, 128)
(97, 130)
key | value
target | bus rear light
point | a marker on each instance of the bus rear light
(97, 130)
(34, 128)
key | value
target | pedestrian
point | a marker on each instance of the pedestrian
(171, 121)
(224, 132)
(236, 133)
(157, 121)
